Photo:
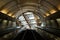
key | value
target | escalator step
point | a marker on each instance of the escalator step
(28, 35)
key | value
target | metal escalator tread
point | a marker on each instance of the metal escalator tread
(19, 36)
(34, 35)
(24, 35)
(37, 36)
(29, 35)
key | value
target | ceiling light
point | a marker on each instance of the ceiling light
(4, 11)
(47, 14)
(13, 16)
(53, 11)
(10, 14)
(44, 16)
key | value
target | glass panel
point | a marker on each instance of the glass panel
(31, 16)
(24, 22)
(32, 21)
(21, 18)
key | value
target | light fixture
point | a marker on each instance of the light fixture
(4, 11)
(53, 11)
(47, 14)
(44, 16)
(13, 16)
(10, 14)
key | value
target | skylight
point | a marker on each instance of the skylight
(21, 18)
(28, 20)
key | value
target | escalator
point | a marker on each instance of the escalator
(28, 35)
(29, 19)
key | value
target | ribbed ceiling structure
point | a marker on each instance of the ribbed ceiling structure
(14, 8)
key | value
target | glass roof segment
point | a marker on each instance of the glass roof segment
(31, 16)
(21, 18)
(26, 26)
(32, 21)
(24, 22)
(29, 19)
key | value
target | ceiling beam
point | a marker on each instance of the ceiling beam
(6, 4)
(50, 4)
(15, 12)
(43, 6)
(26, 20)
(13, 9)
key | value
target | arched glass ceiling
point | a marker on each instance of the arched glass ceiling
(28, 20)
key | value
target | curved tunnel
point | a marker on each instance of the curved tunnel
(36, 19)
